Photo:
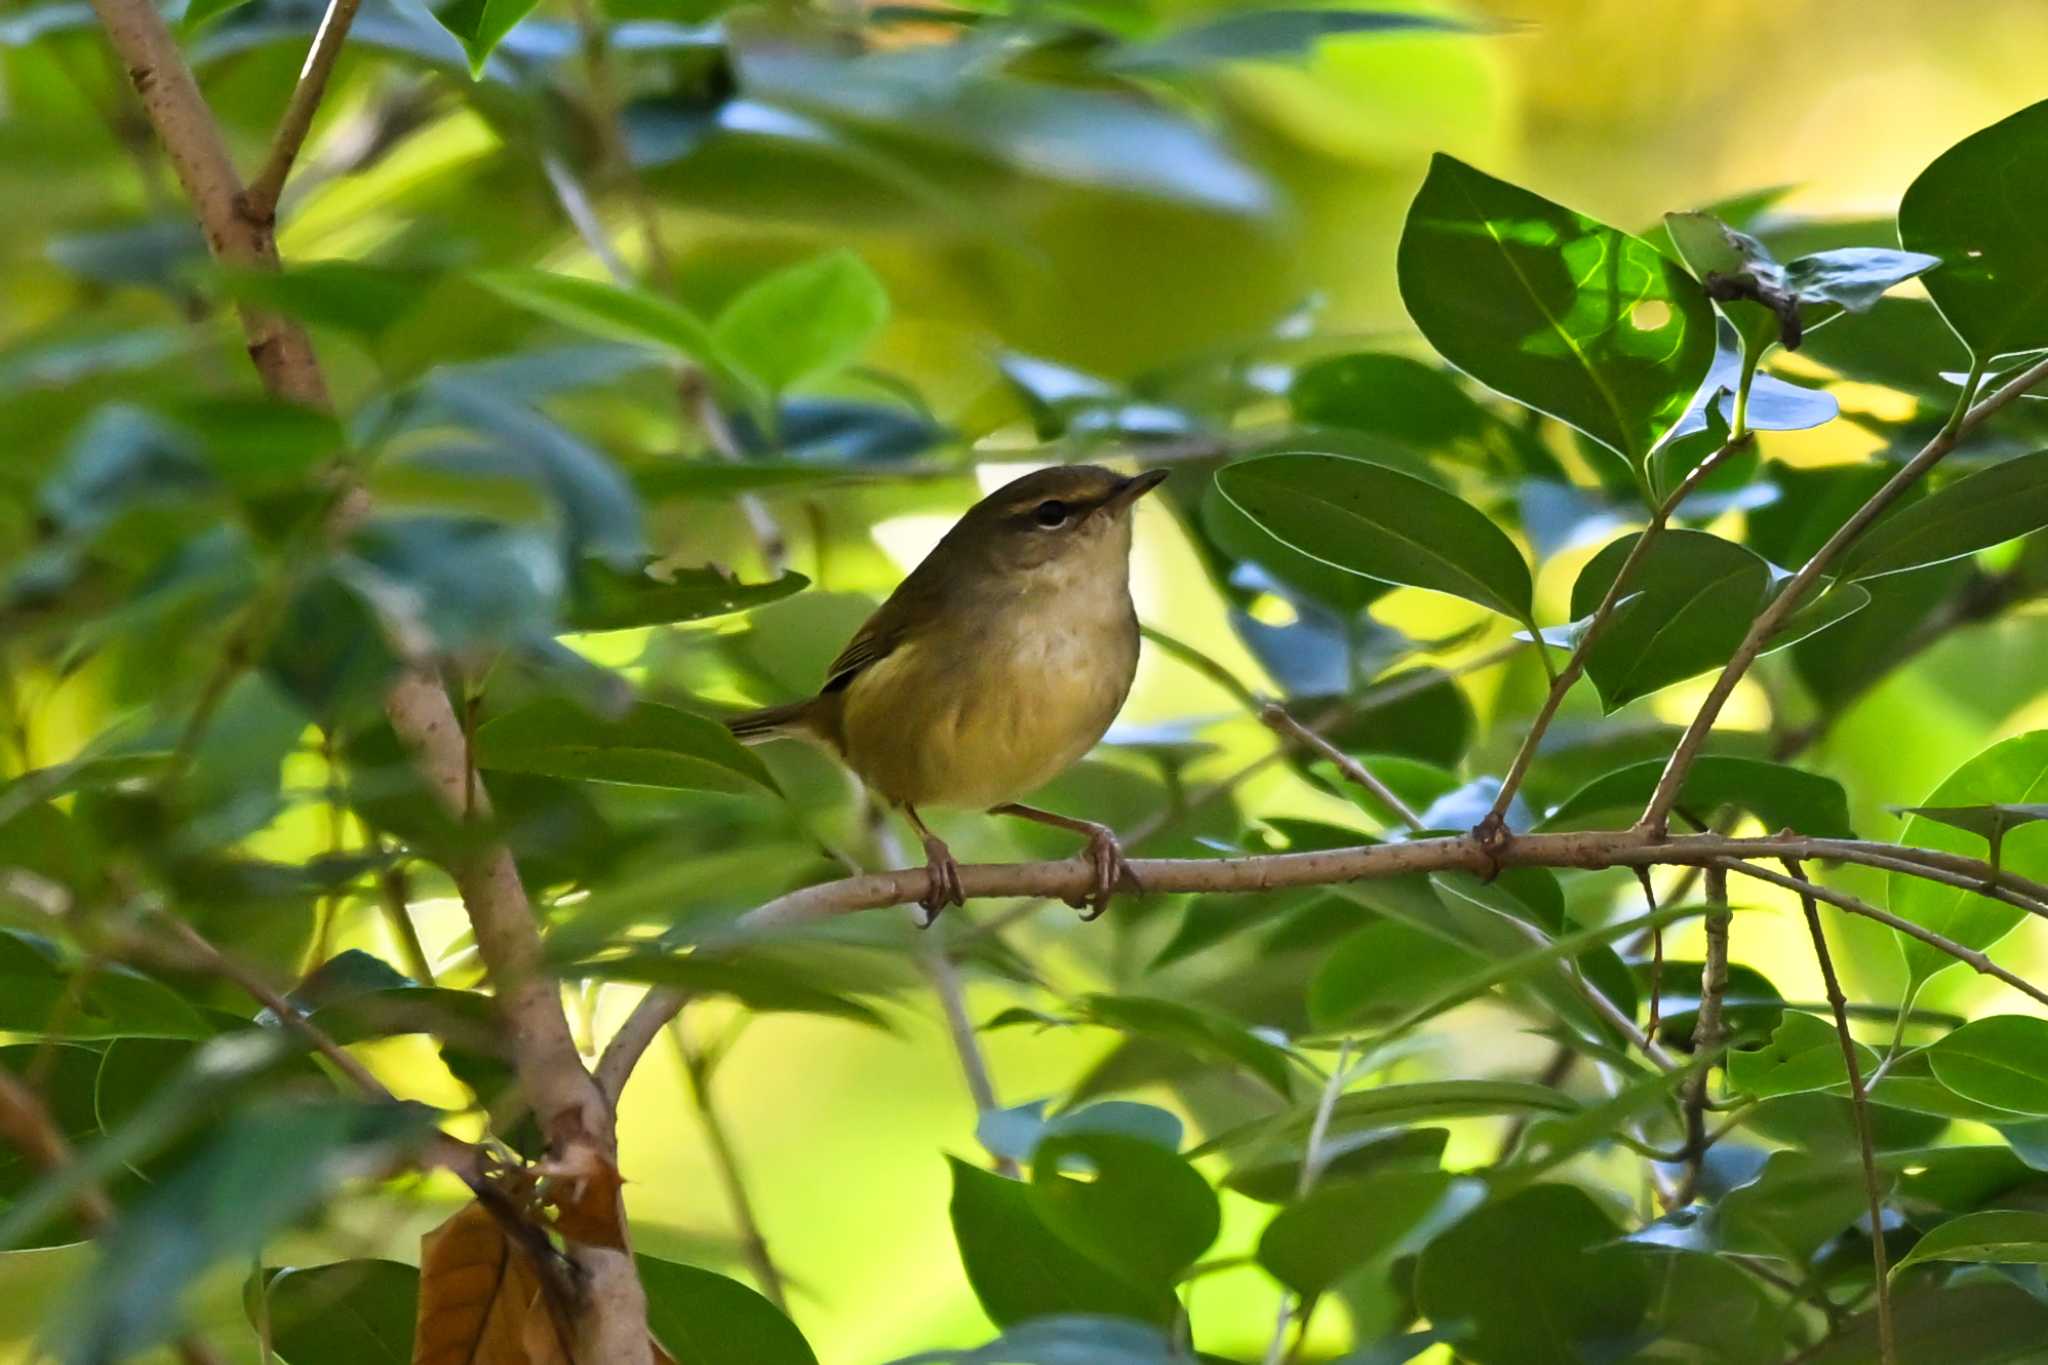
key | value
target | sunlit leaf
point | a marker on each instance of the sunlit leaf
(1690, 603)
(2001, 1061)
(1781, 796)
(803, 321)
(651, 745)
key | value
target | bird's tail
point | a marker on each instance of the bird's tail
(752, 727)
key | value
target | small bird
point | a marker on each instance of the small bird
(997, 663)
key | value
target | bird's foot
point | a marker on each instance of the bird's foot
(1106, 856)
(942, 879)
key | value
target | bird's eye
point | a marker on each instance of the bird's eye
(1050, 513)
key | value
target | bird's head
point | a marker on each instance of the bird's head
(1065, 514)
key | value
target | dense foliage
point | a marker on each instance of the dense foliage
(362, 782)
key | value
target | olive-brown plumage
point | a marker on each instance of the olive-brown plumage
(999, 661)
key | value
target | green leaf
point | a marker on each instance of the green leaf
(1342, 1224)
(2013, 771)
(1272, 1174)
(607, 310)
(1267, 34)
(1019, 1268)
(365, 301)
(1854, 277)
(1126, 1202)
(1211, 1036)
(1796, 1204)
(1538, 1278)
(1323, 584)
(1552, 1141)
(1781, 796)
(1385, 968)
(1685, 611)
(346, 1313)
(1369, 520)
(480, 25)
(1804, 1054)
(1391, 396)
(1990, 507)
(650, 746)
(1975, 1324)
(708, 1319)
(1980, 207)
(1071, 1339)
(604, 598)
(1559, 312)
(2001, 1061)
(807, 320)
(1398, 1105)
(41, 998)
(1017, 1131)
(269, 1165)
(763, 985)
(65, 1077)
(1990, 822)
(1991, 1236)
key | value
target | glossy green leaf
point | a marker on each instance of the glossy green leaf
(1559, 312)
(1017, 1131)
(1781, 796)
(803, 321)
(346, 1313)
(1685, 610)
(1979, 207)
(2001, 1061)
(1390, 396)
(1987, 508)
(1378, 523)
(1537, 1276)
(1020, 1268)
(709, 1319)
(1126, 1202)
(2011, 771)
(607, 310)
(1796, 1204)
(480, 25)
(651, 745)
(1385, 968)
(1804, 1053)
(1343, 1224)
(1993, 1236)
(603, 598)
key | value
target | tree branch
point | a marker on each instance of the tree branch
(1568, 676)
(1280, 722)
(1859, 1102)
(1658, 811)
(1707, 1032)
(260, 203)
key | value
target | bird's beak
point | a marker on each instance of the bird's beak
(1133, 488)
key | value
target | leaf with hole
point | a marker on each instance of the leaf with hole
(1561, 313)
(1126, 1202)
(1980, 207)
(1804, 1054)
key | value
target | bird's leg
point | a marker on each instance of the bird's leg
(1104, 853)
(942, 874)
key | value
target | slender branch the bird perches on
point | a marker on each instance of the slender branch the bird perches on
(266, 187)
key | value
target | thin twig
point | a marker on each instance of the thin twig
(725, 1160)
(1311, 1171)
(1276, 717)
(1658, 810)
(1859, 1102)
(1707, 1032)
(267, 186)
(1565, 678)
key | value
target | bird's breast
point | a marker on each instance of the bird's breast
(996, 705)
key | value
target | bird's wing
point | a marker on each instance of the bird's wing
(916, 598)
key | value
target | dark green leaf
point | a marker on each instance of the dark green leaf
(1070, 1339)
(1538, 1278)
(363, 300)
(461, 583)
(1975, 1324)
(1016, 1132)
(1686, 609)
(804, 321)
(1989, 822)
(1796, 1204)
(707, 1319)
(2012, 771)
(1343, 1224)
(1993, 1236)
(480, 25)
(604, 598)
(1211, 1036)
(763, 985)
(41, 997)
(651, 745)
(1987, 508)
(1979, 207)
(347, 1313)
(2000, 1061)
(1781, 796)
(1020, 1268)
(1375, 522)
(1804, 1054)
(1390, 396)
(1559, 312)
(65, 1077)
(1126, 1202)
(1272, 1174)
(1385, 968)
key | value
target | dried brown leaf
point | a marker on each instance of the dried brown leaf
(482, 1300)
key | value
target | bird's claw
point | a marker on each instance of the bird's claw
(942, 880)
(1106, 857)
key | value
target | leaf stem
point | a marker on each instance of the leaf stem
(725, 1160)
